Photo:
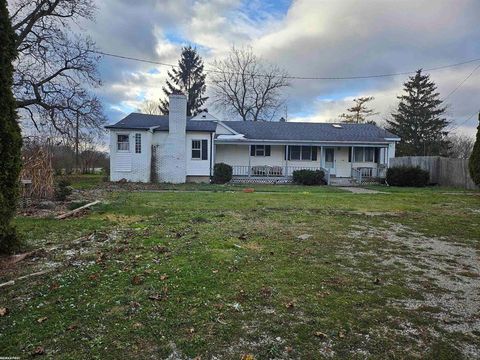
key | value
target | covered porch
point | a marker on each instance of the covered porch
(277, 162)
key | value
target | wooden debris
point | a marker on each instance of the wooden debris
(12, 282)
(74, 211)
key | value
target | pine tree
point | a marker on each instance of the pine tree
(359, 113)
(10, 136)
(474, 162)
(419, 120)
(189, 79)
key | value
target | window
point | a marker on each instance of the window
(123, 143)
(329, 155)
(358, 154)
(361, 154)
(196, 149)
(260, 150)
(138, 143)
(369, 154)
(200, 149)
(307, 153)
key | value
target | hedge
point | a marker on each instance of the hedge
(309, 177)
(407, 176)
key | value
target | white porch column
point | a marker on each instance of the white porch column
(352, 152)
(249, 156)
(286, 160)
(322, 158)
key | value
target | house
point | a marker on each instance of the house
(177, 149)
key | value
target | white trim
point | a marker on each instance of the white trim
(219, 122)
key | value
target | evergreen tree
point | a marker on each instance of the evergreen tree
(419, 120)
(359, 113)
(189, 79)
(10, 136)
(474, 162)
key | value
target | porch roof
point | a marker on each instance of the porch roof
(289, 132)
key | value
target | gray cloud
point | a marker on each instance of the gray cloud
(313, 38)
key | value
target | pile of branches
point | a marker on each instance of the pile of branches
(37, 174)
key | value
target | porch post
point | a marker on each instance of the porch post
(286, 160)
(351, 158)
(249, 155)
(322, 160)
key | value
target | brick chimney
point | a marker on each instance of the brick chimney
(172, 165)
(177, 113)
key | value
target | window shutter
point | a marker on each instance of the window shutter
(285, 151)
(377, 155)
(204, 149)
(350, 154)
(267, 150)
(252, 150)
(314, 153)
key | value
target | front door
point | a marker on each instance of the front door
(342, 166)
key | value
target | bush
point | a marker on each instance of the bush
(309, 177)
(62, 190)
(222, 173)
(407, 176)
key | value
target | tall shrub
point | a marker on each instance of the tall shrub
(222, 173)
(10, 136)
(407, 176)
(474, 162)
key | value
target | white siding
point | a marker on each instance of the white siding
(197, 167)
(128, 164)
(237, 155)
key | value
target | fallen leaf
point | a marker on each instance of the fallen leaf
(320, 334)
(137, 325)
(248, 357)
(72, 327)
(163, 277)
(341, 334)
(377, 281)
(93, 277)
(3, 311)
(137, 280)
(42, 319)
(288, 349)
(191, 330)
(290, 305)
(39, 350)
(53, 286)
(214, 271)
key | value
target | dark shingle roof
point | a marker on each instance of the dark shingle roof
(139, 121)
(292, 131)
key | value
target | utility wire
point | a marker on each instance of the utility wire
(359, 77)
(461, 83)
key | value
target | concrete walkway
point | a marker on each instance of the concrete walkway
(359, 190)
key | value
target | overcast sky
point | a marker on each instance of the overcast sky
(306, 38)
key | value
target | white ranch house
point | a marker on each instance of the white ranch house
(172, 148)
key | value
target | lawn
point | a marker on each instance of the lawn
(285, 272)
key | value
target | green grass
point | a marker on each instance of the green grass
(85, 181)
(238, 280)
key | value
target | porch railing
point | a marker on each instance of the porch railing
(360, 173)
(273, 171)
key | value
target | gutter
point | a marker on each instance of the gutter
(300, 142)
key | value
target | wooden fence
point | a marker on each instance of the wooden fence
(443, 171)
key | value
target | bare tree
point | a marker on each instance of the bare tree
(56, 69)
(359, 113)
(150, 107)
(247, 86)
(461, 146)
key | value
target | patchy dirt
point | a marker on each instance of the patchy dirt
(446, 275)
